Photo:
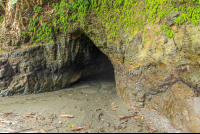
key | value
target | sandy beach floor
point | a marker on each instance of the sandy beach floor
(88, 106)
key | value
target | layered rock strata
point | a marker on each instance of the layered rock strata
(49, 67)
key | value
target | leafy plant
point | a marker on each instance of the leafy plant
(167, 31)
(37, 9)
(116, 16)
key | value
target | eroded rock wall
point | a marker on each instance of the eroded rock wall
(158, 72)
(151, 70)
(45, 67)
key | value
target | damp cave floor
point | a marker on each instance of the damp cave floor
(93, 103)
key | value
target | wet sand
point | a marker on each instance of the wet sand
(93, 103)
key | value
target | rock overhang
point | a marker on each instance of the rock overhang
(49, 67)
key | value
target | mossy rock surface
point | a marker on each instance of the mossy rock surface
(193, 77)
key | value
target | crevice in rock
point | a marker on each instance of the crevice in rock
(193, 87)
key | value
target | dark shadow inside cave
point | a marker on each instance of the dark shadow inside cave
(99, 67)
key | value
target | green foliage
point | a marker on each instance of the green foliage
(37, 9)
(115, 15)
(167, 30)
(110, 40)
(1, 19)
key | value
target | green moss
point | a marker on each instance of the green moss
(167, 30)
(115, 15)
(193, 78)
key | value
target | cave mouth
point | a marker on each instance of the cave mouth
(99, 66)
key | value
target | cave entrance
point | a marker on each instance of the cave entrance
(99, 67)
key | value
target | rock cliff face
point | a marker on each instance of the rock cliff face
(151, 70)
(48, 67)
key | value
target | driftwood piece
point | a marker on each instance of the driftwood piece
(79, 128)
(42, 131)
(124, 117)
(6, 113)
(5, 121)
(66, 115)
(99, 116)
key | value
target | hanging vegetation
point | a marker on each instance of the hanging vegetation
(63, 15)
